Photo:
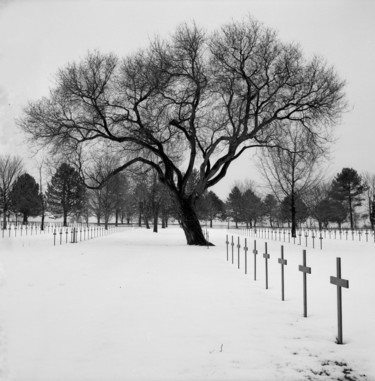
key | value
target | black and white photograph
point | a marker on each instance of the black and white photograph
(187, 190)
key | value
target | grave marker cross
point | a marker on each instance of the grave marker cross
(282, 262)
(305, 270)
(238, 253)
(232, 244)
(266, 257)
(227, 243)
(245, 250)
(255, 252)
(339, 282)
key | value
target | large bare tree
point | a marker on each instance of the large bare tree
(195, 101)
(10, 169)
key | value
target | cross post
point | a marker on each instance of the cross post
(227, 243)
(245, 250)
(321, 241)
(339, 282)
(305, 270)
(306, 238)
(232, 244)
(266, 257)
(282, 262)
(313, 237)
(255, 252)
(238, 254)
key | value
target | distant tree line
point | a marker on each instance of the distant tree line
(142, 199)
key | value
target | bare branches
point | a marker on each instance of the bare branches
(193, 101)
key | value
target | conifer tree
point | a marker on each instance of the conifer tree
(234, 205)
(348, 188)
(65, 192)
(25, 197)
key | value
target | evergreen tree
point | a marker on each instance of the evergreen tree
(234, 205)
(301, 210)
(253, 208)
(271, 208)
(330, 210)
(210, 207)
(25, 197)
(65, 192)
(348, 187)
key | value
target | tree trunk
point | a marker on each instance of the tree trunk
(146, 221)
(190, 223)
(351, 212)
(24, 222)
(117, 214)
(293, 214)
(65, 221)
(210, 222)
(4, 218)
(42, 224)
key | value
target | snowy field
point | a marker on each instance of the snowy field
(137, 305)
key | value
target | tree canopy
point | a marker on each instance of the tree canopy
(194, 101)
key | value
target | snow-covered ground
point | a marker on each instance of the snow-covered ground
(137, 305)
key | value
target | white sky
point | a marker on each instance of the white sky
(39, 36)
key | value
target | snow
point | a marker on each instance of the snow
(136, 305)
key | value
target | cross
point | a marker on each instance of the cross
(282, 262)
(321, 241)
(232, 244)
(255, 252)
(339, 282)
(284, 235)
(313, 237)
(266, 257)
(359, 234)
(54, 238)
(288, 237)
(227, 243)
(245, 250)
(346, 235)
(299, 235)
(238, 254)
(366, 236)
(306, 235)
(305, 270)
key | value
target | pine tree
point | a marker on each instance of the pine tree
(65, 192)
(234, 205)
(25, 197)
(301, 210)
(271, 208)
(348, 187)
(253, 208)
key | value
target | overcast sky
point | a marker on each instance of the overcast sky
(39, 36)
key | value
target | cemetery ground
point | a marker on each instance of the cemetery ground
(136, 305)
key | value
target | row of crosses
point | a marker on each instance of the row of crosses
(335, 280)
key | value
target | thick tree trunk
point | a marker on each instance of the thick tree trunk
(190, 224)
(24, 222)
(65, 221)
(210, 222)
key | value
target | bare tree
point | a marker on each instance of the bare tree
(196, 101)
(289, 168)
(10, 169)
